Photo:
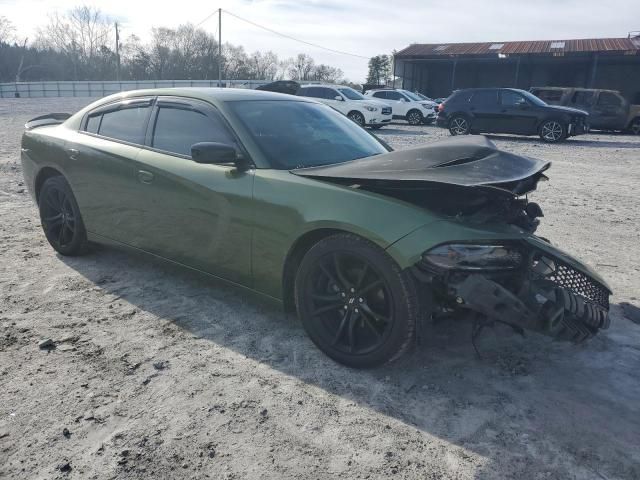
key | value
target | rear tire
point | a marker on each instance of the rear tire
(552, 131)
(60, 217)
(354, 302)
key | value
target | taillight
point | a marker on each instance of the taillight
(441, 107)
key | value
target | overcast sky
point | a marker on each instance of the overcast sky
(363, 27)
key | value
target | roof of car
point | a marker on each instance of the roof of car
(329, 85)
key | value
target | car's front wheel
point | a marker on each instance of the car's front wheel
(357, 117)
(60, 217)
(459, 125)
(355, 303)
(552, 131)
(414, 117)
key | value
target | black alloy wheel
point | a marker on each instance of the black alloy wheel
(60, 217)
(552, 131)
(357, 117)
(414, 117)
(459, 126)
(354, 302)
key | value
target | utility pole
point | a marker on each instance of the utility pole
(117, 53)
(219, 47)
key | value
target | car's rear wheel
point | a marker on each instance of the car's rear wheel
(60, 217)
(414, 117)
(357, 117)
(459, 125)
(552, 131)
(355, 303)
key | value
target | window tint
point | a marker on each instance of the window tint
(485, 98)
(328, 93)
(177, 129)
(394, 95)
(609, 99)
(313, 92)
(511, 99)
(127, 124)
(582, 98)
(93, 123)
(380, 94)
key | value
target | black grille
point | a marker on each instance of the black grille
(579, 283)
(386, 110)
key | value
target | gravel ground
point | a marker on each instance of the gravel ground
(160, 373)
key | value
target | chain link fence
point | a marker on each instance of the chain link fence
(100, 89)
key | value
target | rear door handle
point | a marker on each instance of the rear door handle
(145, 177)
(72, 153)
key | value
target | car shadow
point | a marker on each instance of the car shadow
(582, 141)
(580, 402)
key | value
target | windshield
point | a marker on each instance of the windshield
(532, 98)
(411, 95)
(293, 134)
(351, 94)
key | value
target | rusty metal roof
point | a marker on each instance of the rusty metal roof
(548, 47)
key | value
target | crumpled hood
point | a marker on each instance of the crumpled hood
(470, 161)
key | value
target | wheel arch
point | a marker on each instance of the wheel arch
(44, 174)
(295, 255)
(632, 121)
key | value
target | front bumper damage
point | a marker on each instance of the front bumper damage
(547, 296)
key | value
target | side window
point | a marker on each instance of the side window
(380, 94)
(328, 93)
(127, 124)
(485, 98)
(548, 95)
(511, 99)
(93, 123)
(608, 99)
(309, 92)
(177, 129)
(391, 95)
(582, 97)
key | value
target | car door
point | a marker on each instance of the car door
(484, 110)
(517, 114)
(610, 111)
(195, 214)
(400, 105)
(330, 97)
(101, 168)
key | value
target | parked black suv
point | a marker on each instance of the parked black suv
(509, 110)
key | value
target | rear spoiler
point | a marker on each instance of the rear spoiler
(49, 119)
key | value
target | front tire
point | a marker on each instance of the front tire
(552, 131)
(354, 302)
(60, 217)
(357, 117)
(459, 125)
(414, 117)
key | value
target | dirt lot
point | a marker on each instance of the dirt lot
(159, 373)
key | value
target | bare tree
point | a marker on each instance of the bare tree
(301, 67)
(7, 30)
(326, 73)
(263, 66)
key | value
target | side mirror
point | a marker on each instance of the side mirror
(338, 97)
(402, 100)
(214, 152)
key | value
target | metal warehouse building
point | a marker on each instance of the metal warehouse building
(437, 69)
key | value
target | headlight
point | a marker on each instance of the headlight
(372, 109)
(427, 106)
(473, 257)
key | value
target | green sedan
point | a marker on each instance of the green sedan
(284, 196)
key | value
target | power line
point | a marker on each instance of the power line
(207, 17)
(290, 37)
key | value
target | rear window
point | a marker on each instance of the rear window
(549, 95)
(127, 124)
(93, 123)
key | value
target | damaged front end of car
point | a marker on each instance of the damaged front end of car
(516, 283)
(481, 260)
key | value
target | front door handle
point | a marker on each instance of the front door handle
(145, 177)
(72, 153)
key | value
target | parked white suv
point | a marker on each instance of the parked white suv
(406, 105)
(364, 111)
